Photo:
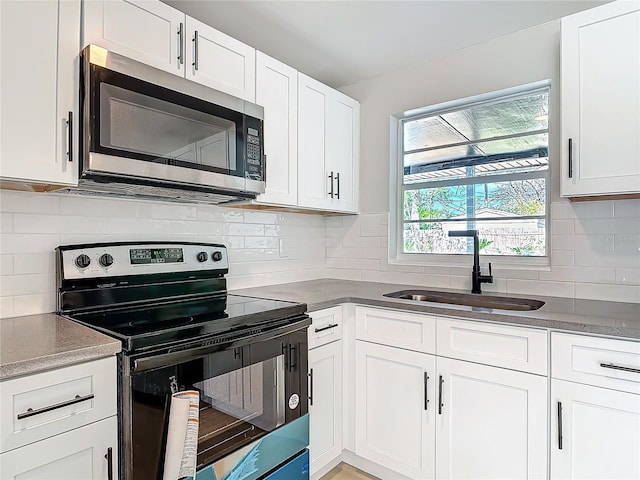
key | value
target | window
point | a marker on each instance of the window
(480, 163)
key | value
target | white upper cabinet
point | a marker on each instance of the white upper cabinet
(315, 182)
(277, 92)
(156, 34)
(39, 90)
(328, 147)
(219, 61)
(145, 30)
(344, 151)
(600, 73)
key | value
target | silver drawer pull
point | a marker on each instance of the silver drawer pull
(618, 367)
(332, 325)
(31, 412)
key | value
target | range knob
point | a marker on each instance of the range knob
(105, 260)
(202, 257)
(216, 256)
(83, 261)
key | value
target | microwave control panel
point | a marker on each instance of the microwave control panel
(254, 165)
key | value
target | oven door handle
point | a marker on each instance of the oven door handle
(172, 358)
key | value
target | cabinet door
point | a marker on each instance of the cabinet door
(344, 151)
(314, 184)
(277, 92)
(325, 404)
(219, 61)
(395, 403)
(600, 431)
(145, 30)
(492, 422)
(81, 454)
(39, 87)
(601, 100)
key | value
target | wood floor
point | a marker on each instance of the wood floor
(347, 472)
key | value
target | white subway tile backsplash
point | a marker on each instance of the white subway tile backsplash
(6, 265)
(6, 222)
(628, 276)
(562, 227)
(611, 293)
(562, 257)
(627, 243)
(373, 230)
(595, 226)
(560, 210)
(580, 274)
(12, 201)
(34, 263)
(535, 287)
(627, 209)
(32, 304)
(595, 243)
(27, 261)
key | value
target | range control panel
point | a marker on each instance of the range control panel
(117, 259)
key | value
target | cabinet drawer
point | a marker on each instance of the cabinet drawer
(602, 362)
(517, 348)
(39, 406)
(326, 326)
(81, 454)
(397, 329)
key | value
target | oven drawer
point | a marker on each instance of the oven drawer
(326, 326)
(603, 362)
(516, 348)
(38, 406)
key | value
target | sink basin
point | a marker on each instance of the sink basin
(468, 299)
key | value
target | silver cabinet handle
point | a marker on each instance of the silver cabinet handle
(311, 387)
(338, 182)
(31, 412)
(181, 44)
(620, 367)
(426, 391)
(440, 405)
(571, 158)
(559, 425)
(70, 136)
(195, 50)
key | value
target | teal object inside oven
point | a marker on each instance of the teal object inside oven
(257, 459)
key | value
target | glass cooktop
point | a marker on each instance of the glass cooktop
(162, 324)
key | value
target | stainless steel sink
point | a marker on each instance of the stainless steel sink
(469, 299)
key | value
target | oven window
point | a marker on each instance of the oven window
(132, 122)
(238, 405)
(235, 406)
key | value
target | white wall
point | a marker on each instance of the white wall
(595, 246)
(33, 224)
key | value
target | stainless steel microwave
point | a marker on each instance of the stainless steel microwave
(149, 133)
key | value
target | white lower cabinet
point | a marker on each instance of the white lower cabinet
(325, 405)
(492, 422)
(595, 433)
(395, 402)
(81, 454)
(595, 408)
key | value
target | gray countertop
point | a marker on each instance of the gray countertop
(40, 342)
(575, 315)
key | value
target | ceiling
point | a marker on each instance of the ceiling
(343, 42)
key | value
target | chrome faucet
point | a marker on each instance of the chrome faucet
(477, 278)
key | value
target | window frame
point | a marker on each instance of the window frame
(396, 254)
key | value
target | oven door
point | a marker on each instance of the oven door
(246, 392)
